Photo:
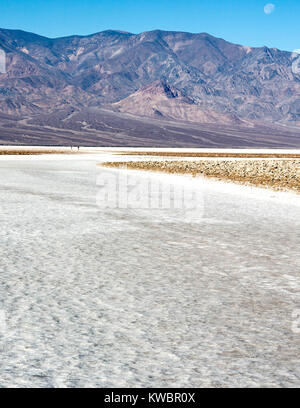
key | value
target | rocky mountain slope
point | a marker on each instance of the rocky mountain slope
(164, 75)
(159, 99)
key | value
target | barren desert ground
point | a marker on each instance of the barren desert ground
(144, 297)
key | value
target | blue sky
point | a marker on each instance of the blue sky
(239, 21)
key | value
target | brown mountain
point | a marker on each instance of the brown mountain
(159, 99)
(167, 76)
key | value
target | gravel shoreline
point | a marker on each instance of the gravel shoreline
(240, 155)
(282, 175)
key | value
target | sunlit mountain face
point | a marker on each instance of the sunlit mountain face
(87, 83)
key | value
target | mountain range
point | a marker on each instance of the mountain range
(155, 88)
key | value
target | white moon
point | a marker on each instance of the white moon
(269, 8)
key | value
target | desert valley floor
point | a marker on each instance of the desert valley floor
(111, 297)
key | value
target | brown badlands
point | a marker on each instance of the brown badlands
(276, 174)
